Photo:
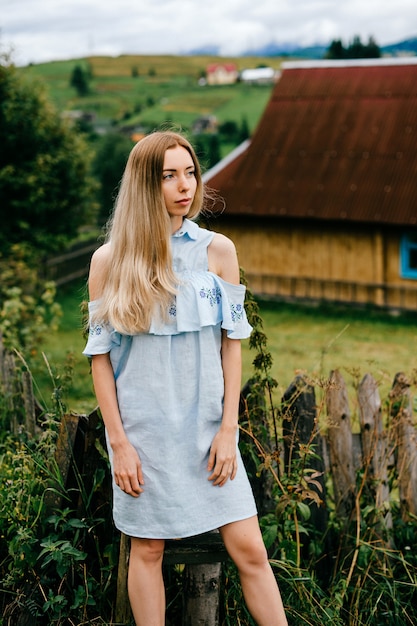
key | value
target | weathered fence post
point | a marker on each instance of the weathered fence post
(123, 613)
(340, 444)
(373, 437)
(29, 403)
(17, 387)
(406, 444)
(300, 428)
(202, 589)
(64, 457)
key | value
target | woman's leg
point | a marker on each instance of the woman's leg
(244, 543)
(145, 581)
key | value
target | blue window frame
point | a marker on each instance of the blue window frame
(408, 256)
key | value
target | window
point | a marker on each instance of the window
(408, 256)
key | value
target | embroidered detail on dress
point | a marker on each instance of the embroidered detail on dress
(237, 312)
(212, 295)
(95, 330)
(172, 311)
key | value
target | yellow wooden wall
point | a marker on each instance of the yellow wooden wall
(321, 261)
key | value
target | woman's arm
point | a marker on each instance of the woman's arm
(222, 460)
(126, 463)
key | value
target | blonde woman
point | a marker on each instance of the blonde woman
(166, 317)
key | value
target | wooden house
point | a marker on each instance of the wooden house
(322, 202)
(222, 74)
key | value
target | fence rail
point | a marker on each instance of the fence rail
(71, 265)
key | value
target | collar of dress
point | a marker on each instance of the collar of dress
(188, 228)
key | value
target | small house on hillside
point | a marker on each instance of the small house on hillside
(322, 202)
(259, 76)
(222, 74)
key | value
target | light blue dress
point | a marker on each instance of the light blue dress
(170, 393)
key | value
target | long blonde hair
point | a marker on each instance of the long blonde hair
(139, 281)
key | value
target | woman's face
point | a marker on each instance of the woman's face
(179, 183)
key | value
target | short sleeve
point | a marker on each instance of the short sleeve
(234, 319)
(101, 336)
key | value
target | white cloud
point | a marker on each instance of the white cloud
(46, 29)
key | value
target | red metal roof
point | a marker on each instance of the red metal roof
(336, 142)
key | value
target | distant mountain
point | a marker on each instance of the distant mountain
(318, 51)
(204, 51)
(409, 46)
(292, 50)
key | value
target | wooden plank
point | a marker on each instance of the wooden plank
(63, 455)
(373, 437)
(123, 612)
(374, 446)
(206, 548)
(29, 403)
(301, 431)
(301, 438)
(340, 445)
(405, 444)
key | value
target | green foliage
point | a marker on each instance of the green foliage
(357, 572)
(355, 50)
(58, 552)
(45, 186)
(112, 152)
(59, 564)
(79, 80)
(207, 148)
(27, 303)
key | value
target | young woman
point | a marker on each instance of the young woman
(166, 317)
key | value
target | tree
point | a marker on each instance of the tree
(336, 50)
(46, 191)
(79, 80)
(244, 132)
(109, 163)
(355, 50)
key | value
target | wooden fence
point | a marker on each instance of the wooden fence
(379, 447)
(71, 264)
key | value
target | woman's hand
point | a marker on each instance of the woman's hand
(222, 461)
(127, 469)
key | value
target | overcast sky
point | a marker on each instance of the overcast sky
(44, 30)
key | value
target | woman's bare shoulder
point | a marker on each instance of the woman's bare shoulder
(223, 258)
(102, 254)
(98, 269)
(222, 244)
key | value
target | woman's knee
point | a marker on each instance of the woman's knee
(147, 550)
(255, 552)
(243, 541)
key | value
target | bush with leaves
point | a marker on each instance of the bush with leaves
(27, 303)
(357, 572)
(58, 549)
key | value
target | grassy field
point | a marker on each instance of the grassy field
(151, 90)
(313, 339)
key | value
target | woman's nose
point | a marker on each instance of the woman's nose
(183, 182)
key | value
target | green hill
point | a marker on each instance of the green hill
(129, 92)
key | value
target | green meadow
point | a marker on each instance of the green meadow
(311, 339)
